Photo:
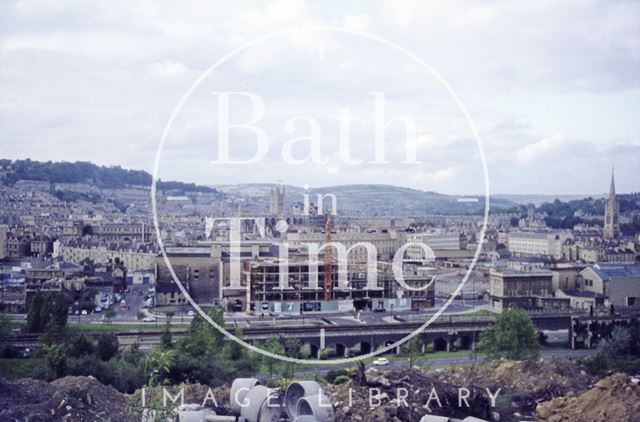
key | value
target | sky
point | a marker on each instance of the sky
(553, 89)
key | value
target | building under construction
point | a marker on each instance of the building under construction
(306, 289)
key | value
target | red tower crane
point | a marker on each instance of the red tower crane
(328, 260)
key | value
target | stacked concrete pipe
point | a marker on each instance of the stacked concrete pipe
(295, 391)
(239, 389)
(305, 418)
(317, 406)
(261, 404)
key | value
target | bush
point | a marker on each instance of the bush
(79, 345)
(107, 346)
(341, 379)
(87, 365)
(125, 377)
(618, 353)
(335, 373)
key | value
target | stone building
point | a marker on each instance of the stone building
(620, 284)
(523, 289)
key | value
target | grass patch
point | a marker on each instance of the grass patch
(455, 354)
(425, 357)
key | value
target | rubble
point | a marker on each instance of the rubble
(524, 384)
(615, 398)
(551, 391)
(405, 395)
(70, 399)
(525, 376)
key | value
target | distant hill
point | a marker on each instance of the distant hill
(86, 172)
(538, 199)
(377, 199)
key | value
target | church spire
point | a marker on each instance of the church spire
(611, 212)
(612, 188)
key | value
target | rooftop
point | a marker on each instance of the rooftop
(609, 271)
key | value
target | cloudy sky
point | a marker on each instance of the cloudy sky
(552, 87)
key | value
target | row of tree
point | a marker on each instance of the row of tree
(86, 172)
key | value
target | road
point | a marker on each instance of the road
(444, 362)
(135, 299)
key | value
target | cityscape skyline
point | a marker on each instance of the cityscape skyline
(600, 194)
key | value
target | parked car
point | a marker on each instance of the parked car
(97, 310)
(381, 362)
(148, 319)
(190, 313)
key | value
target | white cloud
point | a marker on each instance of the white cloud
(77, 74)
(536, 150)
(359, 22)
(167, 69)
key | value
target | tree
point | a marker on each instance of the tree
(413, 349)
(48, 312)
(109, 314)
(108, 346)
(619, 352)
(55, 358)
(34, 317)
(133, 355)
(202, 337)
(512, 336)
(234, 351)
(87, 230)
(88, 267)
(292, 349)
(79, 345)
(272, 345)
(166, 340)
(156, 365)
(618, 344)
(5, 332)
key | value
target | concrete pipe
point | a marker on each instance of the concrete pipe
(305, 418)
(195, 415)
(295, 391)
(434, 418)
(261, 404)
(318, 406)
(239, 389)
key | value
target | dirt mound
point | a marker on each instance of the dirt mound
(21, 392)
(523, 384)
(524, 376)
(403, 395)
(66, 399)
(614, 398)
